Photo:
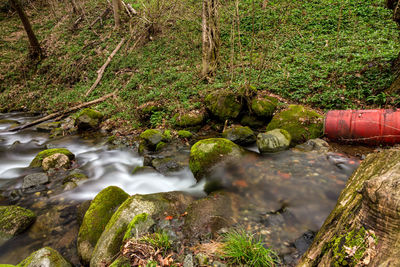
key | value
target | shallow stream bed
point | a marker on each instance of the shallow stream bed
(284, 197)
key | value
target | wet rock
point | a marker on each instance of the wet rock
(14, 220)
(96, 218)
(208, 152)
(185, 134)
(316, 144)
(264, 106)
(240, 135)
(88, 119)
(273, 141)
(208, 215)
(252, 121)
(143, 170)
(156, 206)
(45, 257)
(151, 138)
(47, 127)
(121, 261)
(166, 165)
(56, 161)
(75, 177)
(190, 119)
(302, 123)
(138, 227)
(365, 221)
(35, 179)
(37, 161)
(302, 243)
(224, 105)
(81, 210)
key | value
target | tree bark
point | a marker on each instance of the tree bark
(117, 13)
(35, 50)
(364, 227)
(210, 37)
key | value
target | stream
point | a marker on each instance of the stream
(285, 197)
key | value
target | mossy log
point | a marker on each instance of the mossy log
(364, 227)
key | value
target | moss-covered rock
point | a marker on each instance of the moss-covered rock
(88, 119)
(75, 177)
(56, 161)
(224, 105)
(166, 165)
(37, 161)
(45, 257)
(302, 123)
(189, 119)
(151, 138)
(156, 206)
(209, 152)
(14, 220)
(139, 226)
(47, 127)
(264, 106)
(252, 121)
(208, 215)
(160, 146)
(241, 135)
(96, 218)
(185, 134)
(121, 261)
(273, 141)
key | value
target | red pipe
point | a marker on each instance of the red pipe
(375, 126)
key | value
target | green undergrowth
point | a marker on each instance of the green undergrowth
(329, 54)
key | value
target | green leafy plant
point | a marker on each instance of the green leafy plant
(160, 240)
(242, 248)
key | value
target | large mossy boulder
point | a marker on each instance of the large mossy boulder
(208, 215)
(264, 106)
(56, 161)
(88, 119)
(96, 218)
(302, 123)
(37, 161)
(364, 227)
(190, 119)
(205, 154)
(14, 220)
(273, 141)
(241, 135)
(156, 206)
(224, 105)
(45, 257)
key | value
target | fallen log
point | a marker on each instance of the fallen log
(100, 72)
(59, 115)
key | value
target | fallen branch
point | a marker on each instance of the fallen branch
(101, 17)
(100, 72)
(64, 113)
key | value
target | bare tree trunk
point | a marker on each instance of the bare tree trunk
(117, 13)
(210, 37)
(35, 50)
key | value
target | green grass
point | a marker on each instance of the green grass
(330, 54)
(159, 240)
(241, 248)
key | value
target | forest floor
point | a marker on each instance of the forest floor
(327, 54)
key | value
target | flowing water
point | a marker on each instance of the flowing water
(283, 195)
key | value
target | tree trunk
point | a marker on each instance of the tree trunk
(117, 13)
(210, 37)
(364, 227)
(35, 50)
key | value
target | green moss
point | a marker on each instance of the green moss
(121, 262)
(160, 146)
(37, 161)
(252, 121)
(151, 137)
(167, 136)
(208, 152)
(241, 135)
(286, 134)
(130, 231)
(96, 218)
(224, 105)
(300, 122)
(6, 265)
(14, 220)
(349, 248)
(185, 134)
(192, 118)
(91, 113)
(45, 256)
(265, 106)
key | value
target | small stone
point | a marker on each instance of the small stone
(241, 135)
(316, 144)
(56, 161)
(273, 141)
(188, 261)
(202, 259)
(35, 179)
